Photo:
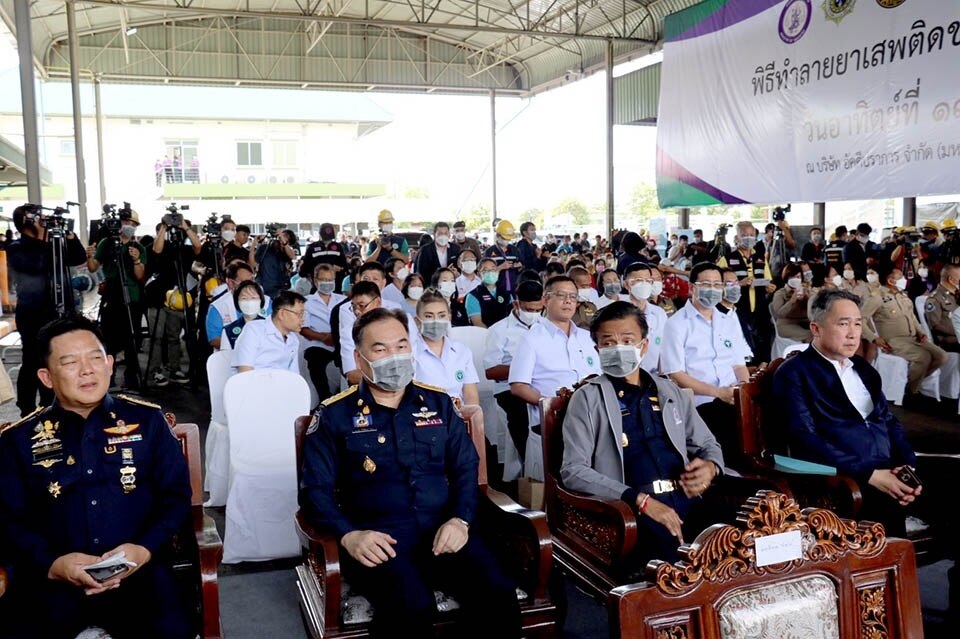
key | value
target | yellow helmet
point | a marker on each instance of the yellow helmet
(385, 217)
(174, 300)
(929, 226)
(949, 225)
(210, 286)
(505, 230)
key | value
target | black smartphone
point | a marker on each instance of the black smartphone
(104, 573)
(907, 476)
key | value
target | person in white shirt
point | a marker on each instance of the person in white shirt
(397, 272)
(273, 343)
(556, 353)
(704, 350)
(316, 330)
(441, 361)
(638, 280)
(222, 309)
(503, 339)
(468, 280)
(610, 289)
(368, 272)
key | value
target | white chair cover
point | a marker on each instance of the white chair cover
(217, 449)
(893, 372)
(262, 406)
(950, 371)
(795, 348)
(780, 344)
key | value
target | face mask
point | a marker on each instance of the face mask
(641, 290)
(250, 307)
(448, 288)
(808, 276)
(533, 236)
(794, 283)
(392, 373)
(490, 278)
(434, 329)
(848, 275)
(620, 360)
(402, 273)
(469, 267)
(326, 287)
(922, 272)
(415, 292)
(657, 288)
(612, 289)
(528, 317)
(816, 238)
(863, 239)
(600, 268)
(460, 235)
(584, 294)
(442, 240)
(708, 297)
(873, 278)
(901, 283)
(228, 236)
(837, 280)
(502, 242)
(748, 241)
(128, 231)
(732, 293)
(387, 228)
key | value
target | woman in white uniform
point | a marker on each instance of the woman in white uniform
(440, 360)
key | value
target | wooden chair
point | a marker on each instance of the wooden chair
(593, 536)
(521, 534)
(198, 551)
(850, 581)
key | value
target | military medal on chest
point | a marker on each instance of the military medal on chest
(47, 449)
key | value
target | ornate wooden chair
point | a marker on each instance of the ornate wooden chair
(330, 610)
(593, 536)
(850, 581)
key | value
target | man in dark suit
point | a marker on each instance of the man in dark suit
(438, 254)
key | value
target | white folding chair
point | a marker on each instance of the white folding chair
(780, 344)
(795, 348)
(216, 472)
(893, 373)
(262, 406)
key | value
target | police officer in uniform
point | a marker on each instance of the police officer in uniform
(387, 245)
(90, 476)
(326, 250)
(940, 305)
(899, 331)
(389, 469)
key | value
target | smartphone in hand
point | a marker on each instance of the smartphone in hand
(907, 476)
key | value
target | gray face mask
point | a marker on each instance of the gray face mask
(732, 294)
(325, 288)
(434, 329)
(748, 241)
(392, 373)
(709, 297)
(612, 289)
(620, 360)
(128, 231)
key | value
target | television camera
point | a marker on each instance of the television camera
(174, 218)
(113, 216)
(213, 226)
(780, 213)
(273, 229)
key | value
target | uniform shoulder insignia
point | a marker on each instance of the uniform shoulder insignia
(138, 401)
(930, 306)
(428, 386)
(340, 395)
(11, 425)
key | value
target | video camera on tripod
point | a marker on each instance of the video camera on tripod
(174, 218)
(273, 229)
(214, 226)
(780, 213)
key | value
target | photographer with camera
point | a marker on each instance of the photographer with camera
(31, 265)
(387, 245)
(274, 259)
(235, 237)
(124, 263)
(167, 299)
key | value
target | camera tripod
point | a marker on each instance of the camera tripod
(116, 255)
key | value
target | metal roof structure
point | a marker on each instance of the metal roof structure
(516, 47)
(13, 166)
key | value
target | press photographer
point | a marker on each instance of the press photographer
(124, 262)
(31, 262)
(274, 258)
(326, 250)
(169, 297)
(235, 242)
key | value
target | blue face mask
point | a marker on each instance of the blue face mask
(490, 278)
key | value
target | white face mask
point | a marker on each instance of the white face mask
(415, 292)
(873, 278)
(228, 236)
(402, 273)
(250, 307)
(642, 290)
(442, 240)
(387, 228)
(901, 283)
(794, 283)
(447, 289)
(657, 289)
(460, 235)
(922, 272)
(837, 280)
(469, 267)
(848, 275)
(815, 238)
(528, 317)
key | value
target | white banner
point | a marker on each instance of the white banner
(772, 101)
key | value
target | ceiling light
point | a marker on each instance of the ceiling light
(131, 31)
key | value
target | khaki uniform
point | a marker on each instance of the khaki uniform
(937, 309)
(790, 314)
(584, 315)
(895, 322)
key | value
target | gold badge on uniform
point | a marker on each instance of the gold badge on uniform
(54, 489)
(126, 455)
(624, 442)
(47, 449)
(369, 465)
(128, 478)
(655, 403)
(109, 450)
(71, 461)
(122, 428)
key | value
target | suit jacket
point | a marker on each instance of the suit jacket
(428, 262)
(823, 426)
(592, 431)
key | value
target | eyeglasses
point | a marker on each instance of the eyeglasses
(301, 314)
(360, 308)
(714, 285)
(570, 297)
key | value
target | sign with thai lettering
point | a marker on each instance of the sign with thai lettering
(771, 101)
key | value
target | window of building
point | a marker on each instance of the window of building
(68, 147)
(285, 153)
(249, 154)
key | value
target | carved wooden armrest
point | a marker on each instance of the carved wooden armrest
(210, 547)
(605, 529)
(323, 558)
(530, 537)
(838, 493)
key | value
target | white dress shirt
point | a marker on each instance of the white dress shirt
(393, 294)
(604, 301)
(656, 322)
(261, 345)
(466, 284)
(853, 386)
(450, 371)
(501, 343)
(318, 316)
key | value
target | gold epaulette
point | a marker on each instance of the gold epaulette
(11, 425)
(339, 395)
(429, 386)
(138, 401)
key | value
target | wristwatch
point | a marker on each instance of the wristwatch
(466, 524)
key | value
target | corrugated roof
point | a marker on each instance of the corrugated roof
(637, 96)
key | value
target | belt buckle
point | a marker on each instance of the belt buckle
(663, 486)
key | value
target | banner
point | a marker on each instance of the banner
(773, 101)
